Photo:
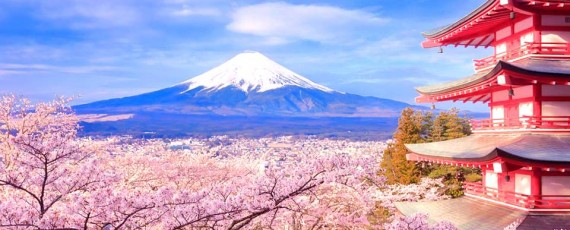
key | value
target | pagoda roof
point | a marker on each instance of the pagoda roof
(485, 147)
(536, 67)
(464, 212)
(475, 29)
(443, 29)
(478, 27)
(468, 212)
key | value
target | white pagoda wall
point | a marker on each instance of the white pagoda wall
(555, 36)
(522, 184)
(491, 179)
(526, 109)
(556, 108)
(555, 185)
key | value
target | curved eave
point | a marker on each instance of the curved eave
(480, 149)
(488, 5)
(537, 68)
(557, 6)
(476, 29)
(468, 162)
(446, 87)
(494, 156)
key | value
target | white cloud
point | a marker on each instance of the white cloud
(7, 68)
(284, 21)
(186, 10)
(9, 72)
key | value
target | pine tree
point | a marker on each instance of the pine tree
(413, 127)
(420, 127)
(449, 125)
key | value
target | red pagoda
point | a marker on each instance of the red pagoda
(523, 149)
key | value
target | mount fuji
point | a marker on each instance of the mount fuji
(249, 84)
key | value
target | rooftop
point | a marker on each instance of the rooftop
(475, 29)
(481, 147)
(472, 213)
(464, 212)
(542, 70)
(478, 27)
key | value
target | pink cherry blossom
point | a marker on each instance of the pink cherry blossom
(51, 178)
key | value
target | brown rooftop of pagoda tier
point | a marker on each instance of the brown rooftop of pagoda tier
(538, 67)
(468, 213)
(547, 148)
(465, 213)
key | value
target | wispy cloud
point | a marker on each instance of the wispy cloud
(8, 68)
(282, 21)
(187, 10)
(6, 72)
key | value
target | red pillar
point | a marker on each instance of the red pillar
(483, 177)
(536, 183)
(537, 94)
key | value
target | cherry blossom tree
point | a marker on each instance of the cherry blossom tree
(418, 221)
(42, 161)
(51, 178)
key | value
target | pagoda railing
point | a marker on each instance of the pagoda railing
(524, 122)
(518, 199)
(547, 48)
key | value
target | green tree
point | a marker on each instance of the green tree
(413, 127)
(420, 127)
(449, 125)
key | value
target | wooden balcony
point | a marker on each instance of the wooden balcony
(524, 122)
(550, 48)
(518, 199)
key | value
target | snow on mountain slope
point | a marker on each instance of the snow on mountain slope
(251, 72)
(249, 84)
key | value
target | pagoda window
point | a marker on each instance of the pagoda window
(498, 114)
(555, 91)
(556, 108)
(526, 109)
(501, 49)
(491, 180)
(522, 184)
(555, 20)
(555, 186)
(527, 38)
(555, 36)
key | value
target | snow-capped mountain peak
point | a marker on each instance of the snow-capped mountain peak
(251, 71)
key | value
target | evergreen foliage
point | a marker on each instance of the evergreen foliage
(449, 125)
(420, 127)
(413, 127)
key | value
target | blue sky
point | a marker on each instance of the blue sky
(113, 48)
